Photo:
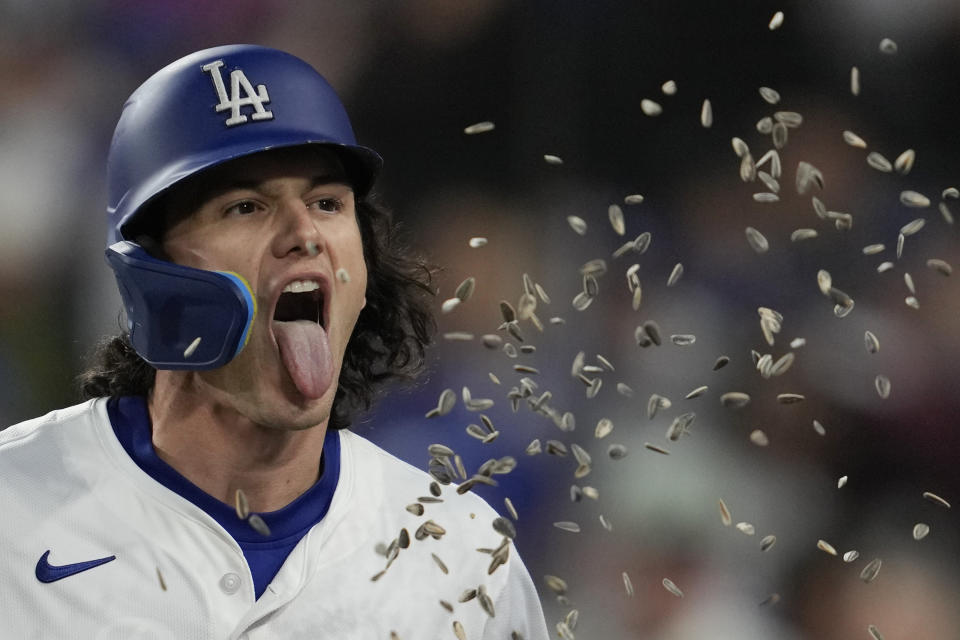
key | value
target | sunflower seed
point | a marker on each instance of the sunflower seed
(934, 498)
(802, 234)
(669, 88)
(696, 393)
(617, 452)
(675, 275)
(591, 493)
(480, 127)
(904, 161)
(842, 482)
(874, 632)
(824, 281)
(449, 305)
(912, 302)
(476, 243)
(819, 208)
(790, 119)
(769, 181)
(851, 556)
(808, 176)
(652, 329)
(624, 390)
(191, 347)
(571, 619)
(504, 527)
(776, 21)
(650, 108)
(725, 517)
(796, 343)
(604, 427)
(555, 584)
(656, 449)
(871, 342)
(825, 546)
(655, 403)
(706, 114)
(474, 431)
(578, 224)
(771, 96)
(635, 198)
(627, 585)
(759, 438)
(683, 339)
(920, 531)
(854, 140)
(720, 363)
(878, 162)
(914, 199)
(556, 448)
(908, 280)
(869, 573)
(790, 398)
(458, 336)
(465, 289)
(767, 542)
(605, 523)
(672, 588)
(900, 240)
(734, 399)
(739, 147)
(774, 158)
(258, 525)
(616, 219)
(415, 508)
(772, 599)
(779, 134)
(855, 81)
(459, 631)
(566, 525)
(940, 265)
(746, 528)
(748, 169)
(765, 126)
(912, 227)
(241, 504)
(551, 159)
(882, 383)
(888, 46)
(756, 240)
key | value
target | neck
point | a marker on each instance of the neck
(220, 450)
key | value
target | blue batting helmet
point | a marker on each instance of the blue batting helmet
(198, 112)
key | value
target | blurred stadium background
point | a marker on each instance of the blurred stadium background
(566, 78)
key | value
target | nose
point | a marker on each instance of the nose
(296, 232)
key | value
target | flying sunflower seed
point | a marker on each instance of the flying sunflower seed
(767, 542)
(790, 398)
(878, 162)
(706, 114)
(855, 81)
(616, 219)
(605, 523)
(912, 227)
(656, 449)
(465, 289)
(241, 504)
(755, 239)
(555, 584)
(551, 159)
(617, 452)
(888, 46)
(566, 525)
(771, 96)
(449, 305)
(672, 588)
(258, 525)
(759, 438)
(504, 527)
(940, 265)
(734, 399)
(604, 427)
(739, 147)
(415, 508)
(842, 482)
(912, 302)
(802, 234)
(650, 108)
(652, 329)
(765, 126)
(578, 224)
(696, 393)
(854, 140)
(914, 199)
(476, 243)
(882, 383)
(808, 176)
(459, 631)
(627, 584)
(946, 213)
(920, 531)
(635, 198)
(683, 339)
(480, 127)
(669, 88)
(824, 281)
(721, 362)
(191, 347)
(908, 280)
(934, 498)
(780, 135)
(869, 573)
(624, 390)
(772, 599)
(769, 181)
(825, 546)
(776, 21)
(725, 516)
(748, 169)
(874, 632)
(675, 275)
(900, 241)
(904, 161)
(851, 556)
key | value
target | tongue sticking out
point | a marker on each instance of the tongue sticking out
(305, 352)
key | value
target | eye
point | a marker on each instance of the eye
(243, 208)
(328, 205)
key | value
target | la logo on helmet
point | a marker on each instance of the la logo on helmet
(238, 82)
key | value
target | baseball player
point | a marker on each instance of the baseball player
(209, 488)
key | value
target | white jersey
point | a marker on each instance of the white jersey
(67, 486)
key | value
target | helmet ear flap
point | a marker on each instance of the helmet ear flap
(170, 306)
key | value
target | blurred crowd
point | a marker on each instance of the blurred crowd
(567, 78)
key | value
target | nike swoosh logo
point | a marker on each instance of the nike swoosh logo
(47, 572)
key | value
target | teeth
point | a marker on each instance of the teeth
(301, 286)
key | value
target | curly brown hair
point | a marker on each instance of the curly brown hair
(388, 342)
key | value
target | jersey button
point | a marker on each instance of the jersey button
(230, 583)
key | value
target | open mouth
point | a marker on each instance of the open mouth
(300, 300)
